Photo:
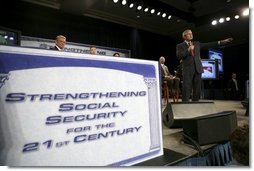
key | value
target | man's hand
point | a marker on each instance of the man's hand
(228, 40)
(169, 77)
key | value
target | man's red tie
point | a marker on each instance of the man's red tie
(192, 51)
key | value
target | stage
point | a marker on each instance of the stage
(176, 151)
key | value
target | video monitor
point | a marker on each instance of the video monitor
(215, 54)
(9, 36)
(210, 67)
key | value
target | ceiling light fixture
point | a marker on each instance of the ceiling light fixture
(146, 9)
(227, 18)
(246, 12)
(115, 1)
(237, 16)
(131, 5)
(159, 13)
(221, 20)
(164, 15)
(152, 11)
(169, 17)
(124, 2)
(139, 7)
(214, 22)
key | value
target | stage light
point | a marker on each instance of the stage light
(139, 7)
(221, 20)
(124, 2)
(169, 17)
(228, 19)
(152, 11)
(237, 16)
(164, 15)
(131, 5)
(146, 9)
(214, 22)
(115, 1)
(246, 12)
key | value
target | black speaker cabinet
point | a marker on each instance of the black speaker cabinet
(211, 128)
(175, 113)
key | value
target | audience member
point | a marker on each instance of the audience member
(239, 142)
(233, 88)
(93, 50)
(59, 43)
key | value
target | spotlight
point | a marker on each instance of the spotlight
(221, 20)
(124, 2)
(146, 9)
(152, 11)
(131, 5)
(246, 12)
(237, 16)
(214, 22)
(228, 19)
(164, 15)
(139, 7)
(115, 1)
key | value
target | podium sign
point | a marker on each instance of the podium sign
(67, 109)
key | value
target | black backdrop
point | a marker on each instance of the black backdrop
(38, 21)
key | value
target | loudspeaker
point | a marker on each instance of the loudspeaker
(213, 128)
(175, 113)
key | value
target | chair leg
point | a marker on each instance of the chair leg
(177, 95)
(167, 94)
(172, 94)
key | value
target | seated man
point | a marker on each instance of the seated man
(93, 50)
(172, 81)
(59, 43)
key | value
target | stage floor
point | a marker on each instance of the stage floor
(173, 138)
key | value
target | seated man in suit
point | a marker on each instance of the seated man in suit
(172, 81)
(93, 50)
(59, 43)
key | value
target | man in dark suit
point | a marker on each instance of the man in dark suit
(189, 52)
(233, 88)
(59, 43)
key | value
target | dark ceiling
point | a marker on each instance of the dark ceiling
(194, 14)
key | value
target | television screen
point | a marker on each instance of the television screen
(215, 54)
(9, 36)
(210, 67)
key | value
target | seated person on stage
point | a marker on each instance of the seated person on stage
(172, 81)
(116, 54)
(59, 43)
(93, 50)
